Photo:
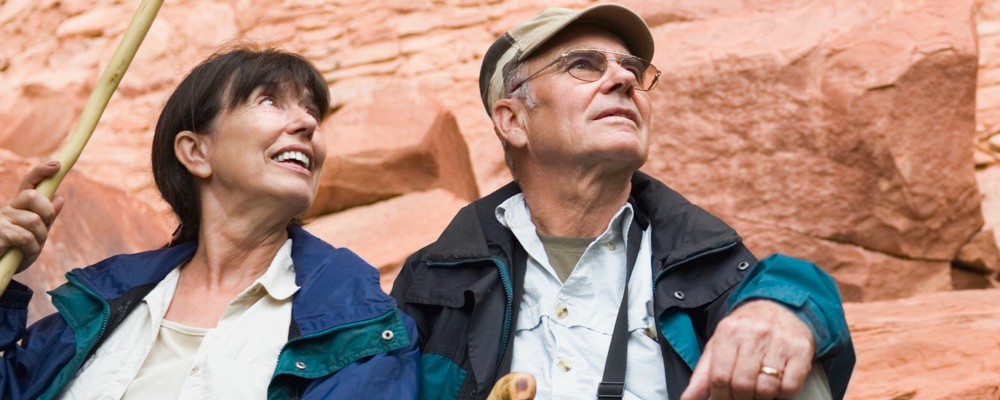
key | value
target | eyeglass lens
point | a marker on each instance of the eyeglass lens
(590, 65)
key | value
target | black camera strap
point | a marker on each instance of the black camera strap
(613, 384)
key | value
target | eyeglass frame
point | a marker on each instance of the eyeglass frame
(623, 56)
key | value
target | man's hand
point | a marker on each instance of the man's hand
(514, 386)
(760, 351)
(25, 220)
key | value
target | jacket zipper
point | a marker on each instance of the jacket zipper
(508, 289)
(705, 253)
(105, 309)
(105, 317)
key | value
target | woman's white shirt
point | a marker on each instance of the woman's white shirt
(234, 361)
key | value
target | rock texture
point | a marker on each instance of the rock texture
(387, 232)
(398, 140)
(940, 346)
(830, 130)
(987, 144)
(854, 134)
(835, 131)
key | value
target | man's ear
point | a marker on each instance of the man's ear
(510, 122)
(192, 151)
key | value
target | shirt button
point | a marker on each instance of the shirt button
(651, 332)
(562, 312)
(300, 365)
(611, 245)
(679, 295)
(194, 370)
(565, 365)
(387, 335)
(743, 266)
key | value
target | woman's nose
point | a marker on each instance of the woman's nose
(303, 121)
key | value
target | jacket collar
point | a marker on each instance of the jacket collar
(473, 230)
(336, 286)
(682, 229)
(115, 276)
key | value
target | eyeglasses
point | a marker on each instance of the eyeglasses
(589, 65)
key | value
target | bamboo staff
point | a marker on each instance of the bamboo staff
(91, 114)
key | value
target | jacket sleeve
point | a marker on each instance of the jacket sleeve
(812, 295)
(390, 376)
(13, 315)
(31, 356)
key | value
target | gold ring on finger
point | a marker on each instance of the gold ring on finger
(777, 373)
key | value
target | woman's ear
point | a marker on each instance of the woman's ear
(192, 151)
(509, 122)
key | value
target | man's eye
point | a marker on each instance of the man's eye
(583, 63)
(635, 66)
(266, 101)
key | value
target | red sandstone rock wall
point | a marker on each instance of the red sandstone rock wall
(935, 346)
(839, 131)
(836, 130)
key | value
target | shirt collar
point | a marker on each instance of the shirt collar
(513, 213)
(279, 279)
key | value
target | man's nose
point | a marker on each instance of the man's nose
(617, 77)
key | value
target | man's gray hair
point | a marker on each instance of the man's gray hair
(523, 92)
(511, 78)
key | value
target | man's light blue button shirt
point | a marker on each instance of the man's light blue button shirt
(564, 328)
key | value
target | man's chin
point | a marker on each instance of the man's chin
(624, 159)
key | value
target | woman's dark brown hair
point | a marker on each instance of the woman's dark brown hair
(222, 82)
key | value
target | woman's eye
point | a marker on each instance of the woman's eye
(267, 101)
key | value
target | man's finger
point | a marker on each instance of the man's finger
(726, 350)
(743, 382)
(769, 379)
(698, 386)
(796, 370)
(514, 386)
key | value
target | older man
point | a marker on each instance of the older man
(595, 278)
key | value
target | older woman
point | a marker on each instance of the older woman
(243, 303)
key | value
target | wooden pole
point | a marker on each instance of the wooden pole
(91, 114)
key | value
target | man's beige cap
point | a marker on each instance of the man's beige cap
(520, 43)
